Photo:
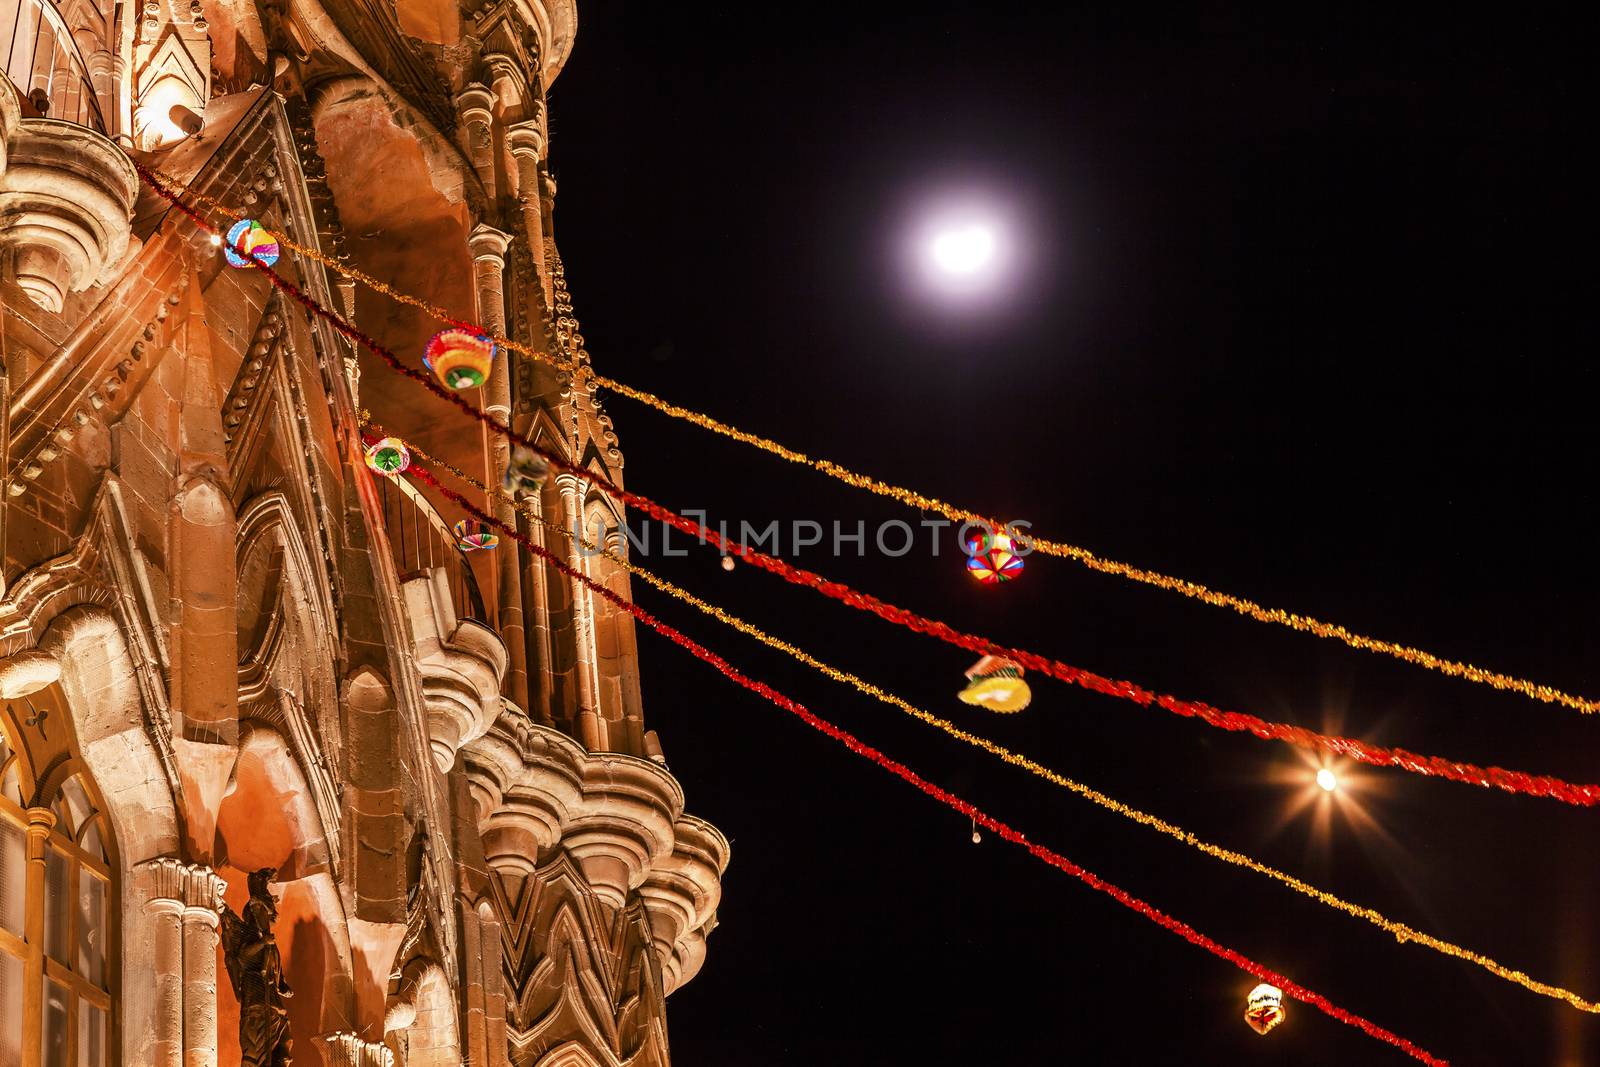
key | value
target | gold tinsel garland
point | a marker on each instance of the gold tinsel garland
(586, 376)
(1400, 931)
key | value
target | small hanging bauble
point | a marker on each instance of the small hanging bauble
(526, 472)
(472, 535)
(249, 236)
(995, 682)
(727, 563)
(460, 358)
(389, 456)
(992, 557)
(1264, 1008)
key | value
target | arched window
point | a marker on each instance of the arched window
(56, 895)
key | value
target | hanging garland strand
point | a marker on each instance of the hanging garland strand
(900, 770)
(586, 377)
(1399, 930)
(1375, 755)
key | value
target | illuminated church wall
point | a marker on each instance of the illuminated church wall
(227, 646)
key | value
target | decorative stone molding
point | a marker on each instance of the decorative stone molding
(475, 104)
(535, 787)
(625, 826)
(526, 140)
(66, 196)
(681, 894)
(344, 1049)
(27, 672)
(461, 663)
(475, 107)
(400, 1010)
(620, 819)
(192, 885)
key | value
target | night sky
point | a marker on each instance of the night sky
(1307, 317)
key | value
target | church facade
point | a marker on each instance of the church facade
(286, 770)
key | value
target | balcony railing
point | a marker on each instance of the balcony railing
(43, 63)
(423, 541)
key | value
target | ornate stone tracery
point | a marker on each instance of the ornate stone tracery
(264, 655)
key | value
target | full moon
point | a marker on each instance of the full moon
(964, 250)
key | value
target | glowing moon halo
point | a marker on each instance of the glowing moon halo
(964, 250)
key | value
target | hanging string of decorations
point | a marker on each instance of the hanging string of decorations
(1264, 1008)
(588, 378)
(1402, 933)
(356, 335)
(248, 240)
(995, 682)
(461, 358)
(1374, 755)
(388, 457)
(992, 556)
(472, 535)
(977, 815)
(1582, 795)
(526, 471)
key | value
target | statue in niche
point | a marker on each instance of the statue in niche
(256, 971)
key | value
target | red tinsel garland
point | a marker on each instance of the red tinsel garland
(1376, 755)
(850, 741)
(977, 815)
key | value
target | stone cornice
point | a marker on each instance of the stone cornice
(461, 663)
(621, 820)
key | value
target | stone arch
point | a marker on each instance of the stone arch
(98, 679)
(285, 616)
(615, 649)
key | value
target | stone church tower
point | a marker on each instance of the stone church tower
(226, 645)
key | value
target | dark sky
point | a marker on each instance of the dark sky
(1304, 322)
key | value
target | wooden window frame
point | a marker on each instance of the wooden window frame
(29, 949)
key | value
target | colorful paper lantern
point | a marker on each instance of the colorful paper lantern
(995, 682)
(472, 535)
(249, 236)
(460, 358)
(992, 557)
(389, 456)
(1264, 1008)
(526, 472)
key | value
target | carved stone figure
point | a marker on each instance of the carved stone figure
(256, 971)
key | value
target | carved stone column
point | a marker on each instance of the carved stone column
(167, 964)
(185, 900)
(203, 896)
(488, 257)
(526, 143)
(589, 728)
(475, 106)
